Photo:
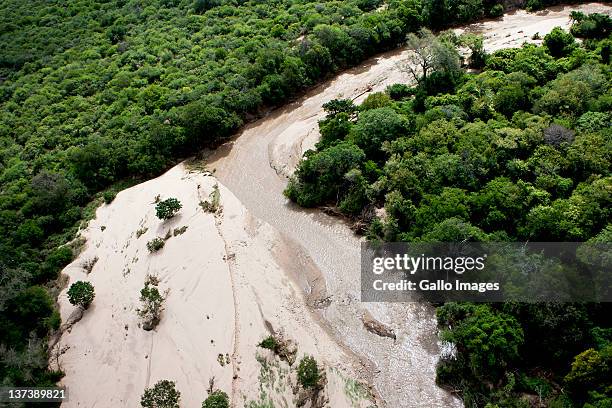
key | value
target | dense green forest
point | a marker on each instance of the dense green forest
(98, 94)
(519, 150)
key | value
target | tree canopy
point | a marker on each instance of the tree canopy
(519, 151)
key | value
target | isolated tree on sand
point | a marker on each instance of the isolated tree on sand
(152, 304)
(428, 54)
(162, 395)
(168, 208)
(81, 294)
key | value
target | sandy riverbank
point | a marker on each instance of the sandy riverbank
(227, 291)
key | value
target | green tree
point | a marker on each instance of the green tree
(478, 56)
(81, 294)
(51, 191)
(490, 340)
(333, 129)
(559, 43)
(429, 54)
(337, 106)
(595, 25)
(376, 126)
(167, 208)
(454, 230)
(376, 100)
(162, 395)
(32, 307)
(217, 399)
(320, 179)
(590, 371)
(206, 123)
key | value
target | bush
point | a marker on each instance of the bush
(213, 204)
(319, 179)
(496, 11)
(491, 340)
(109, 196)
(57, 259)
(162, 395)
(152, 304)
(594, 25)
(592, 122)
(308, 372)
(155, 244)
(168, 208)
(33, 308)
(269, 343)
(376, 100)
(217, 399)
(81, 294)
(589, 371)
(399, 91)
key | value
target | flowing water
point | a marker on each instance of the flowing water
(255, 165)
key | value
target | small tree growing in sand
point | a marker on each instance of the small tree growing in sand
(308, 372)
(155, 244)
(162, 395)
(81, 294)
(217, 399)
(269, 343)
(152, 304)
(168, 208)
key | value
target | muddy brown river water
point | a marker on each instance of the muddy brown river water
(255, 166)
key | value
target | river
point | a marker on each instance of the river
(255, 164)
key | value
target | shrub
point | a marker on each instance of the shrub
(399, 91)
(376, 100)
(319, 179)
(217, 399)
(152, 304)
(269, 343)
(89, 264)
(201, 6)
(168, 208)
(589, 371)
(109, 196)
(155, 244)
(141, 232)
(308, 372)
(33, 307)
(596, 25)
(592, 122)
(213, 204)
(57, 259)
(81, 294)
(496, 11)
(162, 395)
(179, 231)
